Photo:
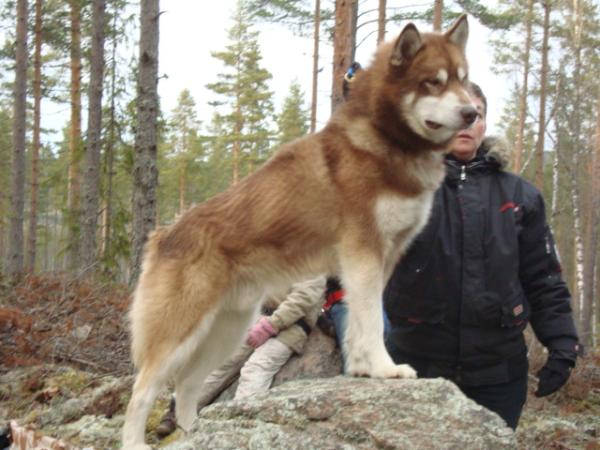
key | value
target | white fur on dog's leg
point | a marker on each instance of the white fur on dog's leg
(365, 351)
(135, 426)
(223, 338)
(145, 389)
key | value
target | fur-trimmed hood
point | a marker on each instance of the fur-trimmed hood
(495, 149)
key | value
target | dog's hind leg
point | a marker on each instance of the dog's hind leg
(223, 338)
(149, 381)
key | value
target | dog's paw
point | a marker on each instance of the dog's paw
(394, 371)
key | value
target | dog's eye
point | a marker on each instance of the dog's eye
(434, 82)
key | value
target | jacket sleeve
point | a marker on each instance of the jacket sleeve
(302, 298)
(540, 275)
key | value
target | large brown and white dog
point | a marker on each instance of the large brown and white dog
(347, 200)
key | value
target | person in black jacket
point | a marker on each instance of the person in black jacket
(482, 269)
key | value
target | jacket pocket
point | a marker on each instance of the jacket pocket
(416, 310)
(515, 311)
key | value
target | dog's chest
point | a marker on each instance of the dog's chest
(396, 214)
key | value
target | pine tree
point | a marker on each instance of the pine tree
(244, 106)
(91, 198)
(5, 178)
(75, 142)
(292, 121)
(145, 173)
(182, 147)
(35, 149)
(15, 252)
(344, 46)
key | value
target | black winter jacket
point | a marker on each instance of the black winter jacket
(483, 267)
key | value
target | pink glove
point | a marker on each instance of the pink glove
(260, 332)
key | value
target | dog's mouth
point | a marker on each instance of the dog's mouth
(464, 136)
(433, 125)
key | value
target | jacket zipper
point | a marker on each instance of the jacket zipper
(463, 172)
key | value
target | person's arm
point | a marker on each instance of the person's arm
(302, 297)
(547, 293)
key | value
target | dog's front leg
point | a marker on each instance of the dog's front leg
(365, 352)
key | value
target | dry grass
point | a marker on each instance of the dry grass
(47, 319)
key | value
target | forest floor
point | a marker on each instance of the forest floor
(61, 338)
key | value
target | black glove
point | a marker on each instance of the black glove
(553, 376)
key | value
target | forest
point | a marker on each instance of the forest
(83, 203)
(79, 194)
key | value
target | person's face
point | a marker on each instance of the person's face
(466, 142)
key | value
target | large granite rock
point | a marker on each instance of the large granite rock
(350, 413)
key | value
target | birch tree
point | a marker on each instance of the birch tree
(539, 148)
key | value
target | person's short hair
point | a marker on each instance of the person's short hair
(477, 92)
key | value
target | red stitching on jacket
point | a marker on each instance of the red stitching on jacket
(507, 205)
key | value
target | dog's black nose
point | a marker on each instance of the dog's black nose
(469, 114)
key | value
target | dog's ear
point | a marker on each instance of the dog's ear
(459, 32)
(407, 45)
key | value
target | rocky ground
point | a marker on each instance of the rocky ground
(65, 372)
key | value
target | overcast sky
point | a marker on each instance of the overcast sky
(189, 31)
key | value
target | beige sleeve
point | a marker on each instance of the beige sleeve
(301, 299)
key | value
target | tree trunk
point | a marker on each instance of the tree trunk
(145, 173)
(181, 185)
(381, 21)
(15, 242)
(579, 251)
(91, 199)
(524, 91)
(539, 147)
(591, 237)
(438, 6)
(344, 46)
(315, 74)
(110, 147)
(236, 150)
(35, 150)
(74, 177)
(578, 213)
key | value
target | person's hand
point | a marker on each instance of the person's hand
(260, 332)
(553, 376)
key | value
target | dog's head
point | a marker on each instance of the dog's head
(422, 79)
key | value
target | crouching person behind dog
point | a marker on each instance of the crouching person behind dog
(269, 345)
(483, 267)
(278, 336)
